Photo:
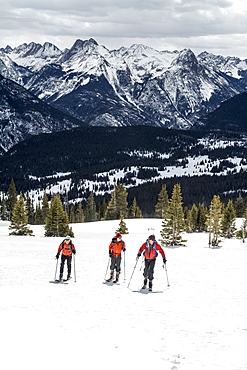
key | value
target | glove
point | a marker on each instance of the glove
(164, 260)
(124, 249)
(74, 251)
(110, 255)
(57, 256)
(138, 255)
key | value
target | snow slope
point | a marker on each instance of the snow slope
(199, 322)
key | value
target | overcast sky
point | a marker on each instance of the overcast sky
(217, 26)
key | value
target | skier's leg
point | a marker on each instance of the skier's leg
(62, 266)
(151, 273)
(69, 260)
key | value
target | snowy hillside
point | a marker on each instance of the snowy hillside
(198, 323)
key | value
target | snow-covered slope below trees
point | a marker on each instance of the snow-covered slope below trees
(199, 322)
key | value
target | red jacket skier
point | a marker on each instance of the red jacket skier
(67, 248)
(116, 247)
(151, 249)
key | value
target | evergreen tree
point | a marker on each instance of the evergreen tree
(111, 209)
(242, 233)
(134, 211)
(12, 198)
(122, 204)
(173, 224)
(117, 206)
(90, 211)
(79, 213)
(191, 219)
(38, 216)
(239, 206)
(3, 210)
(30, 210)
(19, 219)
(71, 213)
(228, 222)
(45, 206)
(163, 202)
(122, 228)
(202, 218)
(214, 221)
(57, 221)
(188, 221)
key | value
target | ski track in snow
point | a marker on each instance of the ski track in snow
(199, 322)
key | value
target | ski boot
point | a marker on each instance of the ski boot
(150, 285)
(111, 277)
(145, 284)
(117, 278)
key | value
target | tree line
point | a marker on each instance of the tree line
(56, 214)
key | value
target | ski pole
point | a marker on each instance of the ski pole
(166, 275)
(124, 266)
(107, 267)
(74, 267)
(56, 270)
(133, 272)
(141, 263)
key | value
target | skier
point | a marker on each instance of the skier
(150, 248)
(116, 247)
(67, 248)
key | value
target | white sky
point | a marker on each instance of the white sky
(217, 26)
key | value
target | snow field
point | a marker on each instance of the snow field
(199, 322)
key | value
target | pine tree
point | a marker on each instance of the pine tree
(19, 219)
(12, 198)
(228, 222)
(242, 233)
(45, 206)
(111, 209)
(90, 211)
(163, 202)
(122, 204)
(134, 211)
(202, 218)
(117, 206)
(38, 219)
(239, 206)
(173, 224)
(191, 219)
(122, 228)
(3, 211)
(57, 221)
(214, 221)
(30, 210)
(79, 213)
(71, 213)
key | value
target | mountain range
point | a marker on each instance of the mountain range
(86, 118)
(125, 87)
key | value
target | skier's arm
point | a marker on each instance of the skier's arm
(123, 247)
(60, 248)
(142, 248)
(161, 250)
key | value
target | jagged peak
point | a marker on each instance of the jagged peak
(83, 43)
(187, 58)
(7, 50)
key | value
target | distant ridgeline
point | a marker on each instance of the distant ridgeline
(141, 158)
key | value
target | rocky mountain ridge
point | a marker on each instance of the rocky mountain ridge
(125, 87)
